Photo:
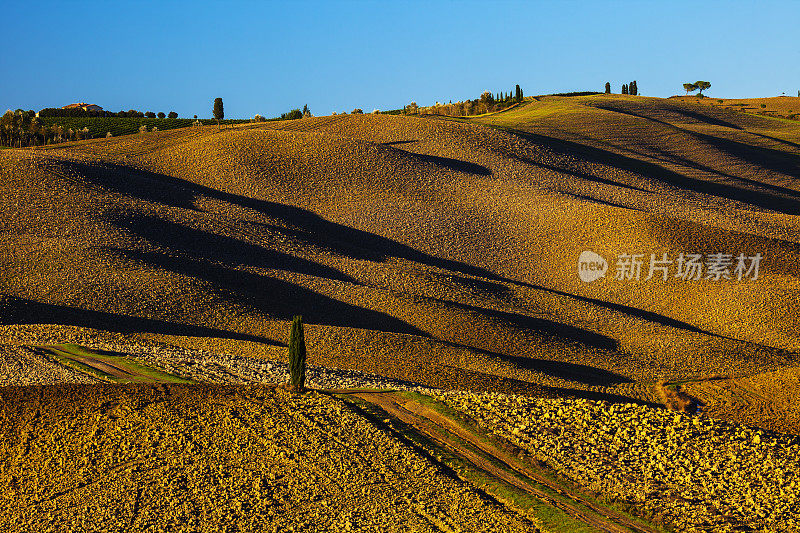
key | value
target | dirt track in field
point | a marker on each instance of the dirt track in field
(481, 454)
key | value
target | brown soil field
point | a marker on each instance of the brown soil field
(437, 251)
(211, 458)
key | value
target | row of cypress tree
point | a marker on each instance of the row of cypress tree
(630, 88)
(627, 88)
(506, 97)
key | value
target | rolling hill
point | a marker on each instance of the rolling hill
(435, 250)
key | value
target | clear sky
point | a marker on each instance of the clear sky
(269, 57)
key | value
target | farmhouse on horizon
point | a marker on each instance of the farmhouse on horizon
(92, 108)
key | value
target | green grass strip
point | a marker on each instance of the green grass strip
(67, 355)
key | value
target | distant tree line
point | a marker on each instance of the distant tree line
(23, 128)
(487, 103)
(575, 93)
(80, 112)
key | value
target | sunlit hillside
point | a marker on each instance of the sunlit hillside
(435, 250)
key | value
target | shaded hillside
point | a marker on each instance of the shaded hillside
(424, 249)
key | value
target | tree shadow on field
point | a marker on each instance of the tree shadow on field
(637, 111)
(750, 196)
(632, 311)
(22, 311)
(273, 297)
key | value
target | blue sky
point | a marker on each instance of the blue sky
(269, 57)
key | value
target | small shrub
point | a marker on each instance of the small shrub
(161, 114)
(763, 106)
(150, 114)
(720, 101)
(108, 134)
(155, 129)
(142, 129)
(375, 111)
(792, 116)
(357, 111)
(675, 399)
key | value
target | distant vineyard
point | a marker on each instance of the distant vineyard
(99, 126)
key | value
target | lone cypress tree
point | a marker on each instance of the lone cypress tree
(608, 87)
(518, 93)
(297, 356)
(219, 111)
